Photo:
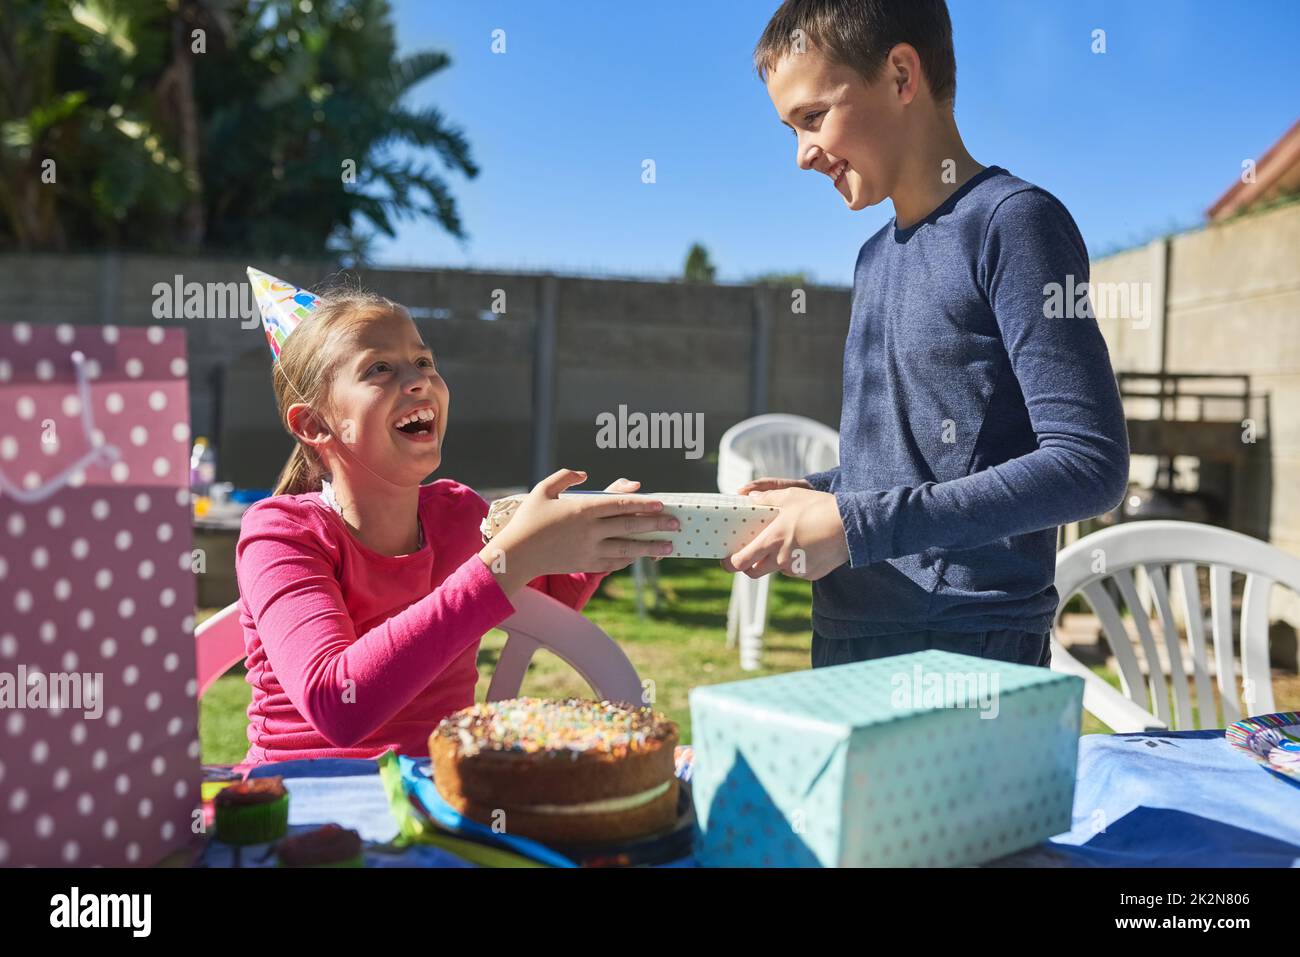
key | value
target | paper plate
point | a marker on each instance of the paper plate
(713, 526)
(1272, 740)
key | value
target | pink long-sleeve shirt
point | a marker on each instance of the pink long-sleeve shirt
(351, 652)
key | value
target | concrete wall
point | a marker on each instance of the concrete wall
(526, 386)
(1232, 306)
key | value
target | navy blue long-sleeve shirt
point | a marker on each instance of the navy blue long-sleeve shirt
(973, 424)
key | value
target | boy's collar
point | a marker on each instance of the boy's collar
(903, 233)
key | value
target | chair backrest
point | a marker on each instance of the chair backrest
(1104, 563)
(776, 444)
(539, 621)
(219, 646)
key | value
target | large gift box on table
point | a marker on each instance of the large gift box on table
(927, 759)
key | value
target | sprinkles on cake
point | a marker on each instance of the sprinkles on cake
(531, 725)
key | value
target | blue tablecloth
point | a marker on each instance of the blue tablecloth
(1175, 799)
(1166, 799)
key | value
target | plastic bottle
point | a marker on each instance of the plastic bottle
(203, 466)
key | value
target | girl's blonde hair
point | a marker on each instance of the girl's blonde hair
(309, 358)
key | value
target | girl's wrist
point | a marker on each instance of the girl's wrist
(506, 563)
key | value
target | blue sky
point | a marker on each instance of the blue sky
(1136, 141)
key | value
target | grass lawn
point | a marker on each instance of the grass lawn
(679, 645)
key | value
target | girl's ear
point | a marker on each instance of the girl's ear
(306, 425)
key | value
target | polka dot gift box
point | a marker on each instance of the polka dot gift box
(99, 751)
(928, 759)
(712, 526)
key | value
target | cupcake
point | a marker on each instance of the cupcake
(252, 812)
(326, 846)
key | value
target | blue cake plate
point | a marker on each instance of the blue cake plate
(659, 849)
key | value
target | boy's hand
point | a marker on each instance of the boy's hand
(805, 540)
(771, 485)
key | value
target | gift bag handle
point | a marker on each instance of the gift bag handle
(98, 451)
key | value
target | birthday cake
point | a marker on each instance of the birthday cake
(563, 772)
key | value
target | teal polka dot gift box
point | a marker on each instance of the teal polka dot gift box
(929, 759)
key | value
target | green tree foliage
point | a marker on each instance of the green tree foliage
(788, 280)
(253, 126)
(699, 268)
(81, 151)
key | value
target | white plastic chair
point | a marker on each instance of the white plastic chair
(780, 446)
(539, 621)
(1168, 551)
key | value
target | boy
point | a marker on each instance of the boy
(973, 424)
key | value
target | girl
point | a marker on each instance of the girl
(363, 594)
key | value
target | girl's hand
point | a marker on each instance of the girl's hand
(771, 485)
(628, 485)
(549, 535)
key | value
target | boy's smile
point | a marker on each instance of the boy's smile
(842, 124)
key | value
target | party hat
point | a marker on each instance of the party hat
(283, 306)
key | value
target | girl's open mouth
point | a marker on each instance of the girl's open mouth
(425, 434)
(419, 426)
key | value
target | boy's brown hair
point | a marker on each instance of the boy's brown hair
(860, 34)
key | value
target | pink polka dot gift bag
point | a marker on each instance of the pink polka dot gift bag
(99, 753)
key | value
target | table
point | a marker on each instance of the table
(1153, 799)
(1173, 799)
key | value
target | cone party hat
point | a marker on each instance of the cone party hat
(283, 306)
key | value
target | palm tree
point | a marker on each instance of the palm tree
(80, 154)
(191, 20)
(354, 247)
(250, 145)
(315, 133)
